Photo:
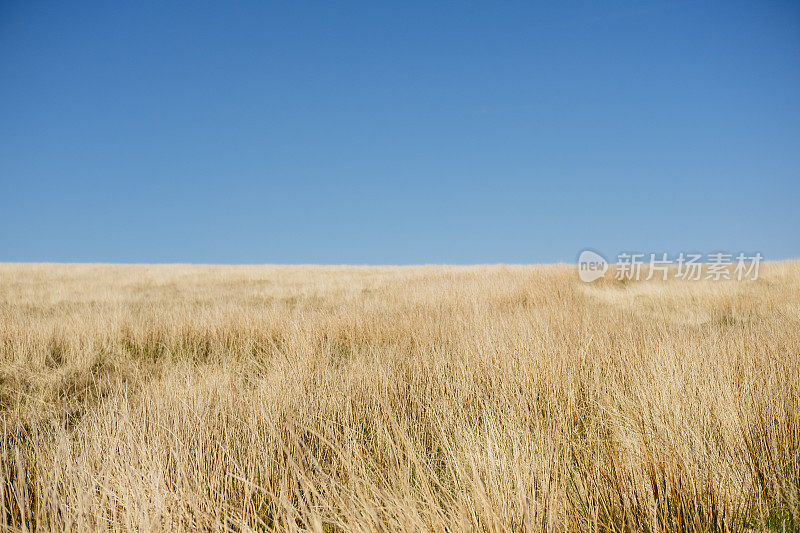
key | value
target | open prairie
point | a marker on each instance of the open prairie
(396, 398)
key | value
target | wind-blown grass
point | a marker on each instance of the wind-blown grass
(396, 398)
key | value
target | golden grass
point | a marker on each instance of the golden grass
(396, 398)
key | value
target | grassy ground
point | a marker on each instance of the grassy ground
(420, 398)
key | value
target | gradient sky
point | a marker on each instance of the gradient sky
(298, 132)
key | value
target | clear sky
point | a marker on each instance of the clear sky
(403, 132)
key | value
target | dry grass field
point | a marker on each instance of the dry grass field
(396, 398)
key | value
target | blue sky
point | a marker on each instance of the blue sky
(407, 132)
